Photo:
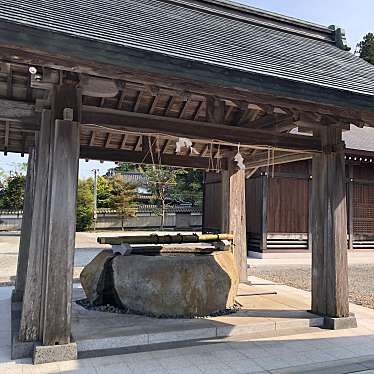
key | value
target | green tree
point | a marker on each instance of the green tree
(189, 187)
(160, 182)
(104, 192)
(122, 198)
(122, 167)
(12, 192)
(365, 48)
(85, 204)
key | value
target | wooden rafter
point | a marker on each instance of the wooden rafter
(92, 139)
(170, 106)
(154, 104)
(138, 101)
(121, 98)
(198, 110)
(124, 141)
(184, 108)
(108, 140)
(165, 145)
(139, 144)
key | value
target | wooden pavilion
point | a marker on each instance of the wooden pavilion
(278, 201)
(125, 80)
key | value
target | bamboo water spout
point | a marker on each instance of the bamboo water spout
(164, 239)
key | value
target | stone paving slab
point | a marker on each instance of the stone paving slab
(262, 312)
(315, 348)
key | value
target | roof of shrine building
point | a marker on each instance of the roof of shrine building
(217, 33)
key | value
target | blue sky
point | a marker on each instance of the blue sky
(355, 16)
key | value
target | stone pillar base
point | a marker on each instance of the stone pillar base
(44, 354)
(332, 323)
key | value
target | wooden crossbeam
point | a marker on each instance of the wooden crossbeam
(197, 130)
(116, 155)
(18, 111)
(283, 158)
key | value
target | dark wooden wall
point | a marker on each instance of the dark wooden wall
(363, 200)
(254, 204)
(288, 205)
(288, 194)
(212, 209)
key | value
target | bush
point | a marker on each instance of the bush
(85, 204)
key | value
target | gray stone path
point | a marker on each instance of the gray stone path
(319, 351)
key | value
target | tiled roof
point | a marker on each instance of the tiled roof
(215, 32)
(360, 139)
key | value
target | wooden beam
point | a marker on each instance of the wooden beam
(18, 111)
(198, 130)
(280, 158)
(96, 153)
(250, 172)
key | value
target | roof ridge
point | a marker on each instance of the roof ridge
(261, 17)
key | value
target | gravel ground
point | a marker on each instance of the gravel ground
(361, 280)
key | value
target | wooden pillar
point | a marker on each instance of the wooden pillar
(24, 245)
(30, 329)
(264, 212)
(47, 301)
(329, 222)
(234, 215)
(61, 242)
(350, 208)
(310, 210)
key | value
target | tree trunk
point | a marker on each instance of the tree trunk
(162, 215)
